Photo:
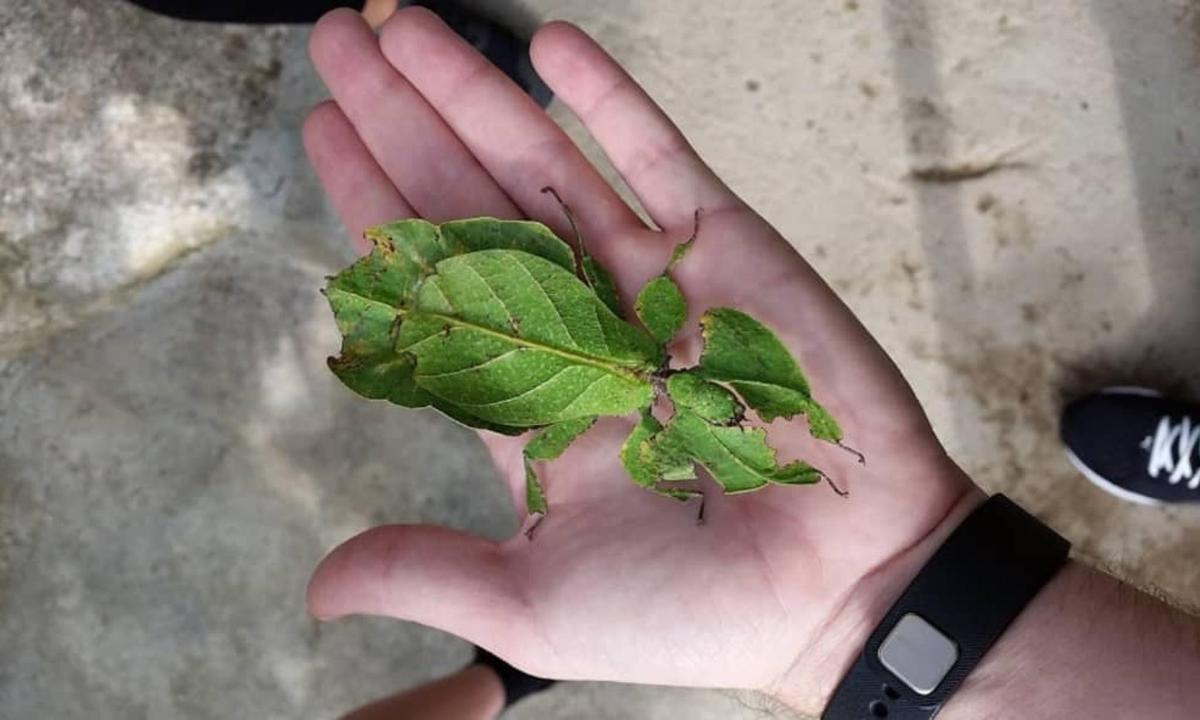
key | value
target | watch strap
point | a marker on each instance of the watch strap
(988, 569)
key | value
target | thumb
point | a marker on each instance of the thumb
(427, 574)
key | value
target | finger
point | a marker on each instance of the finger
(362, 195)
(427, 574)
(419, 153)
(518, 144)
(653, 156)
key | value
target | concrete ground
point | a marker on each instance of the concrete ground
(174, 457)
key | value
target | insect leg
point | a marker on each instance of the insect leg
(682, 495)
(547, 444)
(582, 256)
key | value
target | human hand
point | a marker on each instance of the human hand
(780, 588)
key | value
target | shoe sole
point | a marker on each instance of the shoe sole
(1108, 486)
(1098, 480)
(1130, 390)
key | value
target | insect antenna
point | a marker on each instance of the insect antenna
(581, 253)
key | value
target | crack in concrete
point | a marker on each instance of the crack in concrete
(63, 318)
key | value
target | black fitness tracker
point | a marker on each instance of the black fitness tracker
(973, 587)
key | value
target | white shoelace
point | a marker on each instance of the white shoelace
(1172, 449)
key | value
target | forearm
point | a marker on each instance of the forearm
(1088, 646)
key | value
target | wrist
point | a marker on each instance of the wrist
(1087, 645)
(807, 686)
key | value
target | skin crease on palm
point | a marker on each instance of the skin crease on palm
(779, 589)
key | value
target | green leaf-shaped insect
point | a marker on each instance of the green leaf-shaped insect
(498, 325)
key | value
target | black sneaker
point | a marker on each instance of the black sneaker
(502, 46)
(497, 43)
(517, 684)
(1136, 444)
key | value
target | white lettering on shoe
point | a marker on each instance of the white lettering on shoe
(1172, 449)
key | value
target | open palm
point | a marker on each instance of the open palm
(777, 590)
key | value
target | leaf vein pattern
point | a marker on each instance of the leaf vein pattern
(480, 366)
(491, 291)
(562, 320)
(521, 394)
